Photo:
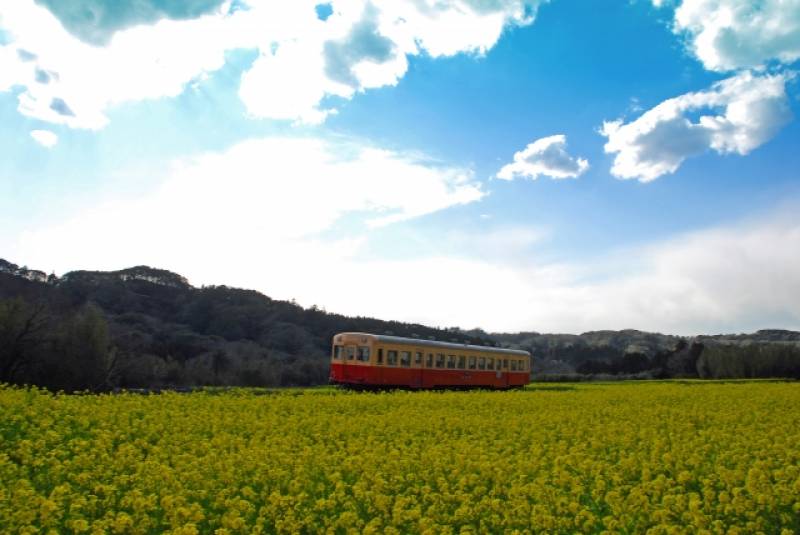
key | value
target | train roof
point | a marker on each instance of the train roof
(435, 343)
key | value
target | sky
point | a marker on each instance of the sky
(551, 166)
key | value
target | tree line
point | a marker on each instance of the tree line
(147, 328)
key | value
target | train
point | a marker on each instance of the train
(364, 360)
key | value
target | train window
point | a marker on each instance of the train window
(337, 352)
(405, 358)
(418, 358)
(472, 363)
(440, 360)
(391, 358)
(350, 351)
(489, 363)
(380, 356)
(363, 353)
(505, 363)
(429, 362)
(513, 365)
(462, 362)
(451, 361)
(482, 363)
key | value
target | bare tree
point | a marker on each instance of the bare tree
(22, 332)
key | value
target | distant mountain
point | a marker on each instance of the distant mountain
(149, 327)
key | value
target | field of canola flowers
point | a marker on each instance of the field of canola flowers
(622, 458)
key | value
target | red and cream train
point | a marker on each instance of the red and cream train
(373, 360)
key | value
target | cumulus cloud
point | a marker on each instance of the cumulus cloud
(83, 81)
(546, 156)
(733, 34)
(363, 43)
(95, 54)
(735, 115)
(96, 21)
(45, 138)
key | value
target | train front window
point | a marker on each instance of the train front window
(350, 351)
(405, 359)
(391, 358)
(363, 353)
(338, 352)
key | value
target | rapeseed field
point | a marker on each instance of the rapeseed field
(618, 458)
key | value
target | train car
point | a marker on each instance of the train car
(380, 361)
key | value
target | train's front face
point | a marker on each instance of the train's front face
(350, 355)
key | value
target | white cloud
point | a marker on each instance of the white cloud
(302, 59)
(45, 138)
(96, 21)
(256, 208)
(732, 34)
(741, 113)
(83, 81)
(741, 276)
(737, 277)
(546, 156)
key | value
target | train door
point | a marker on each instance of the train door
(379, 364)
(417, 357)
(501, 373)
(349, 359)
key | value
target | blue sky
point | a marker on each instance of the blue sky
(506, 165)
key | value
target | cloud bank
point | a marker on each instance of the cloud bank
(253, 206)
(728, 35)
(546, 156)
(736, 115)
(76, 60)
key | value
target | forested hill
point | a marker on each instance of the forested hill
(638, 354)
(146, 327)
